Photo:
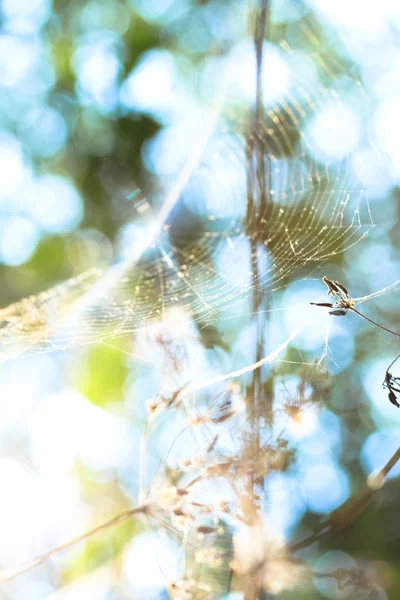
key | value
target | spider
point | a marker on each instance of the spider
(392, 384)
(343, 302)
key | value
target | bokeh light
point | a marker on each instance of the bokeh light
(55, 205)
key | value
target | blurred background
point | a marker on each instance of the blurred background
(101, 105)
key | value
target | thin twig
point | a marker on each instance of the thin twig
(7, 574)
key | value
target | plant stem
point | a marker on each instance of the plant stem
(258, 178)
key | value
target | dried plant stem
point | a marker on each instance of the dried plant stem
(345, 514)
(7, 574)
(258, 181)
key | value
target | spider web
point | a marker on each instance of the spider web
(313, 212)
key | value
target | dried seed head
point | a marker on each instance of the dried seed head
(152, 407)
(187, 589)
(191, 464)
(294, 412)
(181, 519)
(222, 506)
(185, 464)
(171, 498)
(204, 530)
(195, 419)
(182, 590)
(210, 556)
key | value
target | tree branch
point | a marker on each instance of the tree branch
(345, 514)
